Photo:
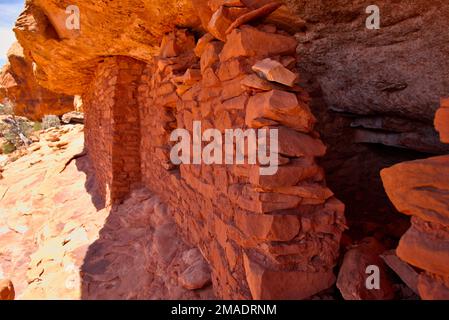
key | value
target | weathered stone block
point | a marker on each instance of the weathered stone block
(268, 227)
(274, 71)
(288, 175)
(251, 42)
(420, 188)
(268, 284)
(282, 107)
(426, 246)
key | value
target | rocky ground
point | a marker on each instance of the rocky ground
(56, 243)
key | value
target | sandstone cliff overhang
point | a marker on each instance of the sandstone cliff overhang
(360, 71)
(29, 99)
(66, 59)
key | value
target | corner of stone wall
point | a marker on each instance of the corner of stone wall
(259, 233)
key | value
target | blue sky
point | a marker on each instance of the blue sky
(9, 11)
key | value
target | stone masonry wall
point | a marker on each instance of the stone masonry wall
(259, 233)
(265, 237)
(99, 103)
(113, 126)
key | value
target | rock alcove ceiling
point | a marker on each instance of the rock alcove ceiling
(374, 94)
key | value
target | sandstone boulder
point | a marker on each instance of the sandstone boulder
(268, 284)
(282, 107)
(219, 23)
(296, 144)
(275, 71)
(268, 227)
(420, 188)
(433, 287)
(216, 4)
(176, 43)
(442, 120)
(426, 246)
(251, 42)
(197, 274)
(352, 276)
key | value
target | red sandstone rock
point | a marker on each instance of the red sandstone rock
(248, 42)
(296, 144)
(282, 107)
(18, 84)
(287, 175)
(248, 198)
(190, 77)
(218, 23)
(231, 69)
(352, 275)
(6, 290)
(256, 14)
(201, 44)
(268, 227)
(210, 54)
(210, 79)
(433, 287)
(402, 269)
(420, 188)
(426, 246)
(275, 71)
(268, 284)
(310, 193)
(255, 82)
(197, 275)
(442, 120)
(237, 103)
(215, 4)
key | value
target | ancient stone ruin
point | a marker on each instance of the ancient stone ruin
(344, 106)
(259, 233)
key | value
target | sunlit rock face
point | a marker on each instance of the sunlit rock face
(66, 59)
(361, 71)
(29, 99)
